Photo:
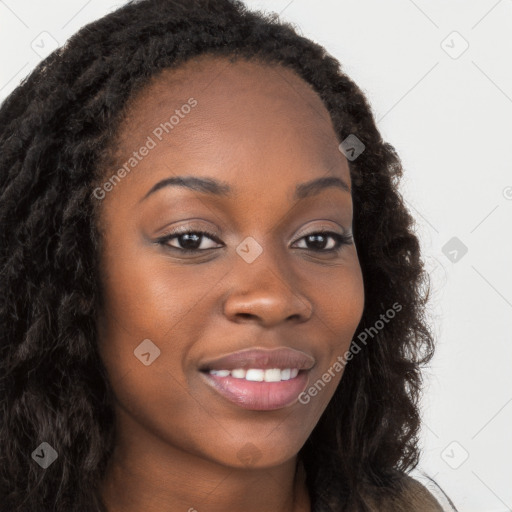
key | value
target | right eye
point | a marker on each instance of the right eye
(190, 241)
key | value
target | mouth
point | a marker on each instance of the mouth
(258, 374)
(260, 380)
(260, 394)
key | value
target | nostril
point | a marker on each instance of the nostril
(246, 315)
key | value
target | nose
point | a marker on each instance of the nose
(266, 293)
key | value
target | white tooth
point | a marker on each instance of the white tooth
(254, 375)
(239, 373)
(273, 375)
(220, 373)
(294, 373)
(285, 374)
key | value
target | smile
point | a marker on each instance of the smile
(257, 375)
(258, 390)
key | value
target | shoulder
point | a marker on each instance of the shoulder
(418, 496)
(410, 496)
(434, 490)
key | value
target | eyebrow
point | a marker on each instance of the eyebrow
(222, 189)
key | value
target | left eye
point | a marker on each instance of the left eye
(320, 238)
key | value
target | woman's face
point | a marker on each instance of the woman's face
(259, 283)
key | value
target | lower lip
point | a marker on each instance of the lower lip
(259, 396)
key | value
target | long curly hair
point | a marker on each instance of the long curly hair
(55, 130)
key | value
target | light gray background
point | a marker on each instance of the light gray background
(448, 112)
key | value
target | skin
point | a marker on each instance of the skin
(263, 130)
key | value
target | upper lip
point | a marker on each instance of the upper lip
(263, 359)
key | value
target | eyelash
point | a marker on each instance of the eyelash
(341, 240)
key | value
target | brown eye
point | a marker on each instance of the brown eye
(192, 241)
(188, 241)
(319, 241)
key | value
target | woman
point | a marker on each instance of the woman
(213, 298)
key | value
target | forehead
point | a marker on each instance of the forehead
(247, 115)
(217, 82)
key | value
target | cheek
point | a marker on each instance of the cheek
(143, 293)
(149, 307)
(150, 397)
(143, 341)
(339, 299)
